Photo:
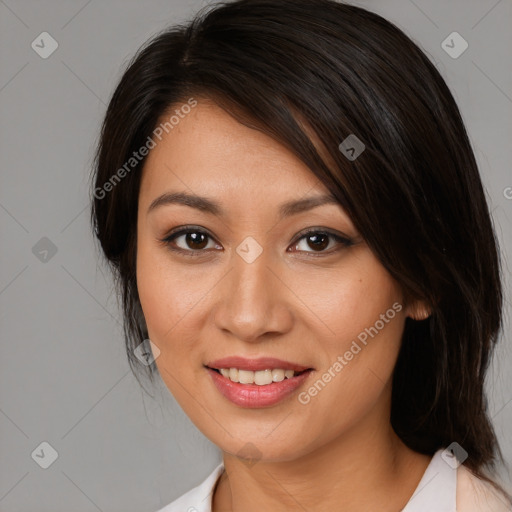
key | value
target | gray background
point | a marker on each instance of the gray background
(64, 378)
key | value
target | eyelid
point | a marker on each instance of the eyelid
(326, 231)
(340, 238)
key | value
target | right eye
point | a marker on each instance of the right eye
(193, 241)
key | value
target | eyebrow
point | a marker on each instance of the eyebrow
(212, 207)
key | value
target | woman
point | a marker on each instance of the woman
(291, 207)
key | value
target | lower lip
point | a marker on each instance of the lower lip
(253, 396)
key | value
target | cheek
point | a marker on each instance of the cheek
(363, 311)
(164, 304)
(165, 300)
(172, 299)
(354, 384)
(345, 302)
(167, 292)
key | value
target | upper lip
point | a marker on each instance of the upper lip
(261, 363)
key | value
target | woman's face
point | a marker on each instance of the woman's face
(248, 282)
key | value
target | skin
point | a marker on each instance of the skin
(304, 305)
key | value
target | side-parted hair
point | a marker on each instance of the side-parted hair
(309, 73)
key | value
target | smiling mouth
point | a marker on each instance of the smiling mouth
(258, 377)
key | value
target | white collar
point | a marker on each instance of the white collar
(437, 489)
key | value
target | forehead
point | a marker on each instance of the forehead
(207, 151)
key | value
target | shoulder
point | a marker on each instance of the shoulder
(197, 499)
(477, 495)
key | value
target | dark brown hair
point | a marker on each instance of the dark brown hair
(309, 73)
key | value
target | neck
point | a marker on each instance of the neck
(368, 468)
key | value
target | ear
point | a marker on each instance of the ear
(418, 310)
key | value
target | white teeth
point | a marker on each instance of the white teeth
(260, 377)
(288, 374)
(277, 375)
(245, 377)
(263, 377)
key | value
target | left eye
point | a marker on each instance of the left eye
(320, 240)
(196, 240)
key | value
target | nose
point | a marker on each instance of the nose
(252, 301)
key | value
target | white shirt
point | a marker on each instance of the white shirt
(442, 488)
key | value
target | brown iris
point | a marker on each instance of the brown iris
(320, 241)
(196, 240)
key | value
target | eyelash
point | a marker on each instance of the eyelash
(343, 241)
